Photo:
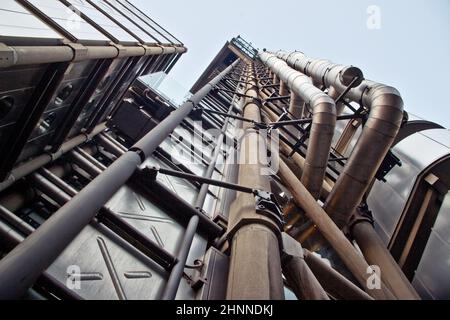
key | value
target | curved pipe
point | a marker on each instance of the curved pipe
(383, 123)
(323, 123)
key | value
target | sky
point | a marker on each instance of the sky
(402, 43)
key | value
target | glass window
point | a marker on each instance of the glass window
(143, 17)
(123, 21)
(75, 26)
(16, 21)
(118, 34)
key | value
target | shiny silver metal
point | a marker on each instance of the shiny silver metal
(385, 116)
(324, 121)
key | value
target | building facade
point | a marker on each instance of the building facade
(278, 176)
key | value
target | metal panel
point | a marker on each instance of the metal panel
(107, 267)
(147, 218)
(431, 277)
(387, 200)
(215, 271)
(179, 186)
(433, 271)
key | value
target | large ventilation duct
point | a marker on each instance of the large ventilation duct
(323, 123)
(383, 123)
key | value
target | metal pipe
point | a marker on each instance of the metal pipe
(297, 159)
(383, 123)
(173, 283)
(91, 159)
(9, 238)
(376, 253)
(255, 256)
(57, 188)
(15, 221)
(194, 177)
(296, 105)
(151, 141)
(348, 254)
(114, 141)
(170, 291)
(298, 274)
(85, 164)
(333, 282)
(284, 89)
(110, 147)
(22, 266)
(322, 128)
(53, 178)
(334, 94)
(40, 161)
(27, 55)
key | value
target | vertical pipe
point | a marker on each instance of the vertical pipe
(296, 105)
(170, 291)
(323, 123)
(284, 89)
(255, 265)
(383, 123)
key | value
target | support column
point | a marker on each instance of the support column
(255, 267)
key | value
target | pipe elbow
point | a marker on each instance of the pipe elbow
(386, 109)
(324, 110)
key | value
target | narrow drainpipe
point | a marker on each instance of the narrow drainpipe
(323, 124)
(255, 262)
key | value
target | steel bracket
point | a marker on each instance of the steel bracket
(267, 205)
(80, 52)
(7, 56)
(361, 214)
(121, 50)
(299, 143)
(389, 162)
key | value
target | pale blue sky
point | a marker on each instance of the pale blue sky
(411, 50)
